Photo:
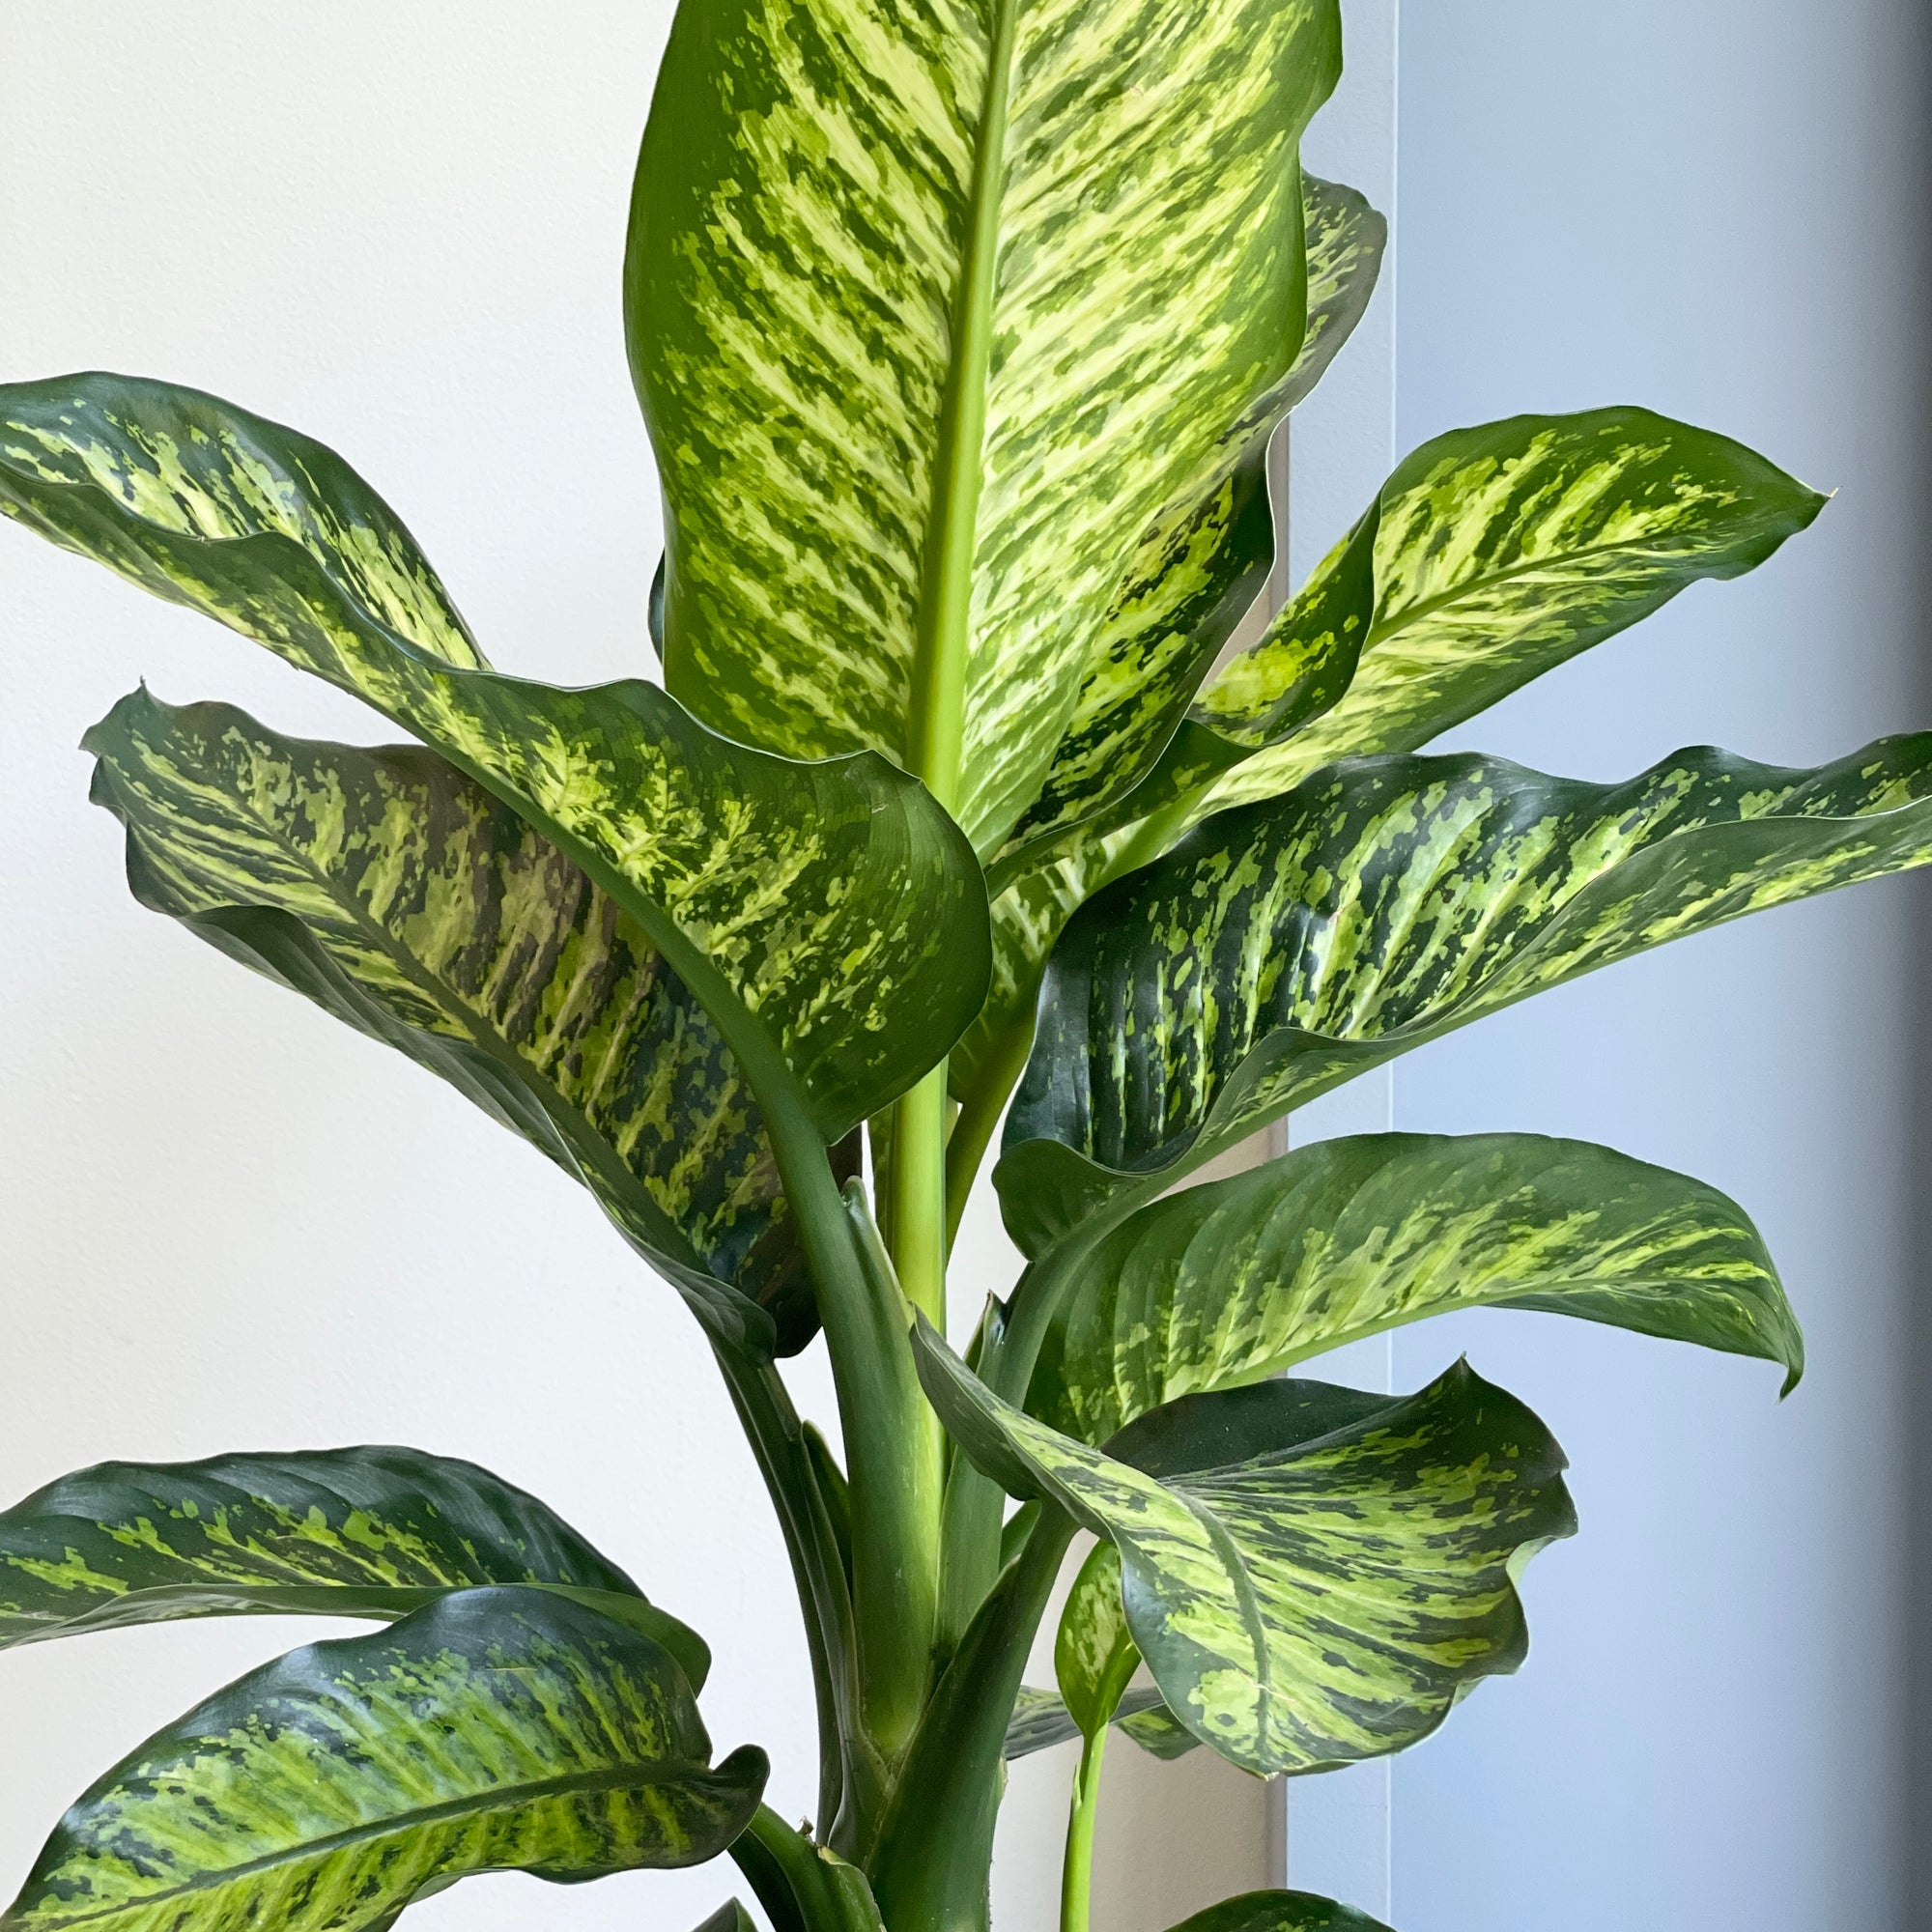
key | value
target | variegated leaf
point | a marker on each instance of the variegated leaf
(1490, 556)
(1286, 945)
(1314, 1574)
(1106, 774)
(1201, 565)
(1026, 920)
(495, 1730)
(1042, 1720)
(416, 906)
(368, 1533)
(1242, 1278)
(1093, 1654)
(874, 271)
(1280, 1912)
(828, 917)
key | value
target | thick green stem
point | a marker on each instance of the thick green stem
(894, 1556)
(930, 1868)
(894, 1495)
(1076, 1875)
(916, 1207)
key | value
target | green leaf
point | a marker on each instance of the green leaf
(1042, 1720)
(1490, 556)
(1094, 1657)
(495, 1730)
(1286, 945)
(1344, 239)
(1280, 1912)
(1242, 1278)
(1027, 918)
(878, 263)
(730, 1916)
(803, 1885)
(1157, 1730)
(365, 1532)
(828, 917)
(416, 906)
(1199, 568)
(1314, 1574)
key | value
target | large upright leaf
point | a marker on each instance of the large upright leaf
(1490, 556)
(1193, 575)
(829, 916)
(366, 1532)
(935, 314)
(1199, 568)
(1314, 1574)
(1242, 1278)
(420, 909)
(496, 1730)
(1286, 946)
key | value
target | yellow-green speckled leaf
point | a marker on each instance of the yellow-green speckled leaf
(1284, 947)
(1202, 563)
(1040, 1720)
(415, 905)
(1027, 918)
(830, 916)
(1242, 1278)
(1280, 1912)
(496, 1730)
(1164, 631)
(1094, 1654)
(935, 314)
(1490, 556)
(1314, 1574)
(366, 1532)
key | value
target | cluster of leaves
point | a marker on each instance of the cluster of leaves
(961, 338)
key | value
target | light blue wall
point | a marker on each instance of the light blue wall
(1715, 208)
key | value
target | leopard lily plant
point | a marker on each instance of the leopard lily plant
(967, 793)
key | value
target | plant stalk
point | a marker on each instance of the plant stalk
(1076, 1877)
(915, 1209)
(882, 1410)
(969, 1557)
(929, 1871)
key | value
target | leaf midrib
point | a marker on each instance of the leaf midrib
(1416, 613)
(500, 1798)
(935, 724)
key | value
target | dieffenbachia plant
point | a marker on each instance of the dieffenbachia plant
(973, 786)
